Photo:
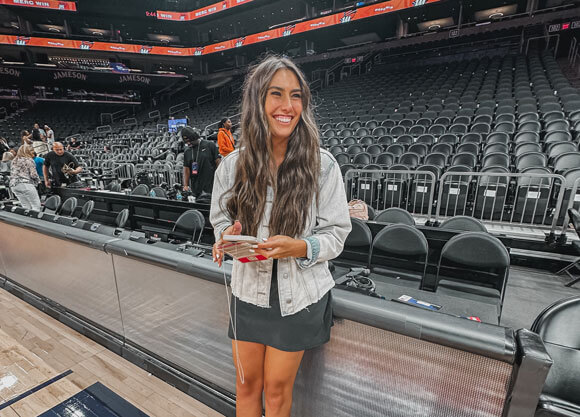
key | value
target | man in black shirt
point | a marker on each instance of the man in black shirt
(55, 161)
(200, 161)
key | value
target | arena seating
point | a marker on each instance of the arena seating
(502, 115)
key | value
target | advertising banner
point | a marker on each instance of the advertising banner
(69, 6)
(199, 13)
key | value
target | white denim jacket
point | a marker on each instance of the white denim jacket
(301, 281)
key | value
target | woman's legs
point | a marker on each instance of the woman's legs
(249, 394)
(21, 194)
(280, 370)
(33, 198)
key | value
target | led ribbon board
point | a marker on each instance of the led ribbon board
(203, 12)
(42, 4)
(302, 27)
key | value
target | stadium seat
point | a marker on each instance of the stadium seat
(140, 190)
(464, 224)
(399, 255)
(558, 327)
(52, 204)
(121, 219)
(158, 192)
(395, 215)
(68, 207)
(86, 210)
(474, 265)
(188, 224)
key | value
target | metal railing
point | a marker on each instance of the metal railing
(206, 98)
(178, 108)
(381, 189)
(548, 39)
(512, 198)
(232, 118)
(571, 200)
(522, 199)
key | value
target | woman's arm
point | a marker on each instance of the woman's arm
(332, 221)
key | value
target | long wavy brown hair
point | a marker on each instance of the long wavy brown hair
(295, 183)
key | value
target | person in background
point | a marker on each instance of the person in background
(225, 139)
(200, 161)
(38, 134)
(39, 162)
(9, 155)
(26, 137)
(49, 135)
(4, 147)
(281, 188)
(73, 145)
(54, 162)
(24, 178)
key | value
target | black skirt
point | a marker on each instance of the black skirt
(306, 329)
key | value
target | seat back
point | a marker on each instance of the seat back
(400, 246)
(158, 192)
(395, 215)
(68, 207)
(87, 209)
(141, 189)
(52, 203)
(475, 258)
(122, 218)
(558, 327)
(464, 223)
(359, 240)
(189, 223)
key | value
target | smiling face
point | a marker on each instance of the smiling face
(283, 105)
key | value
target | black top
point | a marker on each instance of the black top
(54, 163)
(204, 155)
(36, 135)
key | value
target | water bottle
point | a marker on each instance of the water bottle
(151, 193)
(179, 197)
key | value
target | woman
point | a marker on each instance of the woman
(225, 138)
(26, 137)
(24, 178)
(283, 189)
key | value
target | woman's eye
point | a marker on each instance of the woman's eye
(297, 95)
(276, 93)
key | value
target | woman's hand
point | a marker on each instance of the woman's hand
(218, 254)
(277, 247)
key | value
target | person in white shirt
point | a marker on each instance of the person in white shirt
(49, 135)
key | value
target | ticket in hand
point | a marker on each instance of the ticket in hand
(241, 247)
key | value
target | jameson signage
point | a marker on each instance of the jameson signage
(132, 78)
(70, 74)
(12, 72)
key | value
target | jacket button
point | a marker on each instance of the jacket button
(285, 275)
(288, 301)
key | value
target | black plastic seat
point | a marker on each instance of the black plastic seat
(566, 161)
(399, 256)
(141, 190)
(68, 207)
(395, 215)
(188, 224)
(87, 209)
(474, 265)
(122, 218)
(158, 192)
(52, 204)
(464, 224)
(558, 327)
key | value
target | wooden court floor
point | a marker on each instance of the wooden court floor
(35, 348)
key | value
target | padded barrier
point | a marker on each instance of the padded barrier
(384, 358)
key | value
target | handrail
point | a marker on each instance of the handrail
(216, 123)
(179, 107)
(548, 37)
(202, 99)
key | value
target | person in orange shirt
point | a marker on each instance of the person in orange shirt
(225, 138)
